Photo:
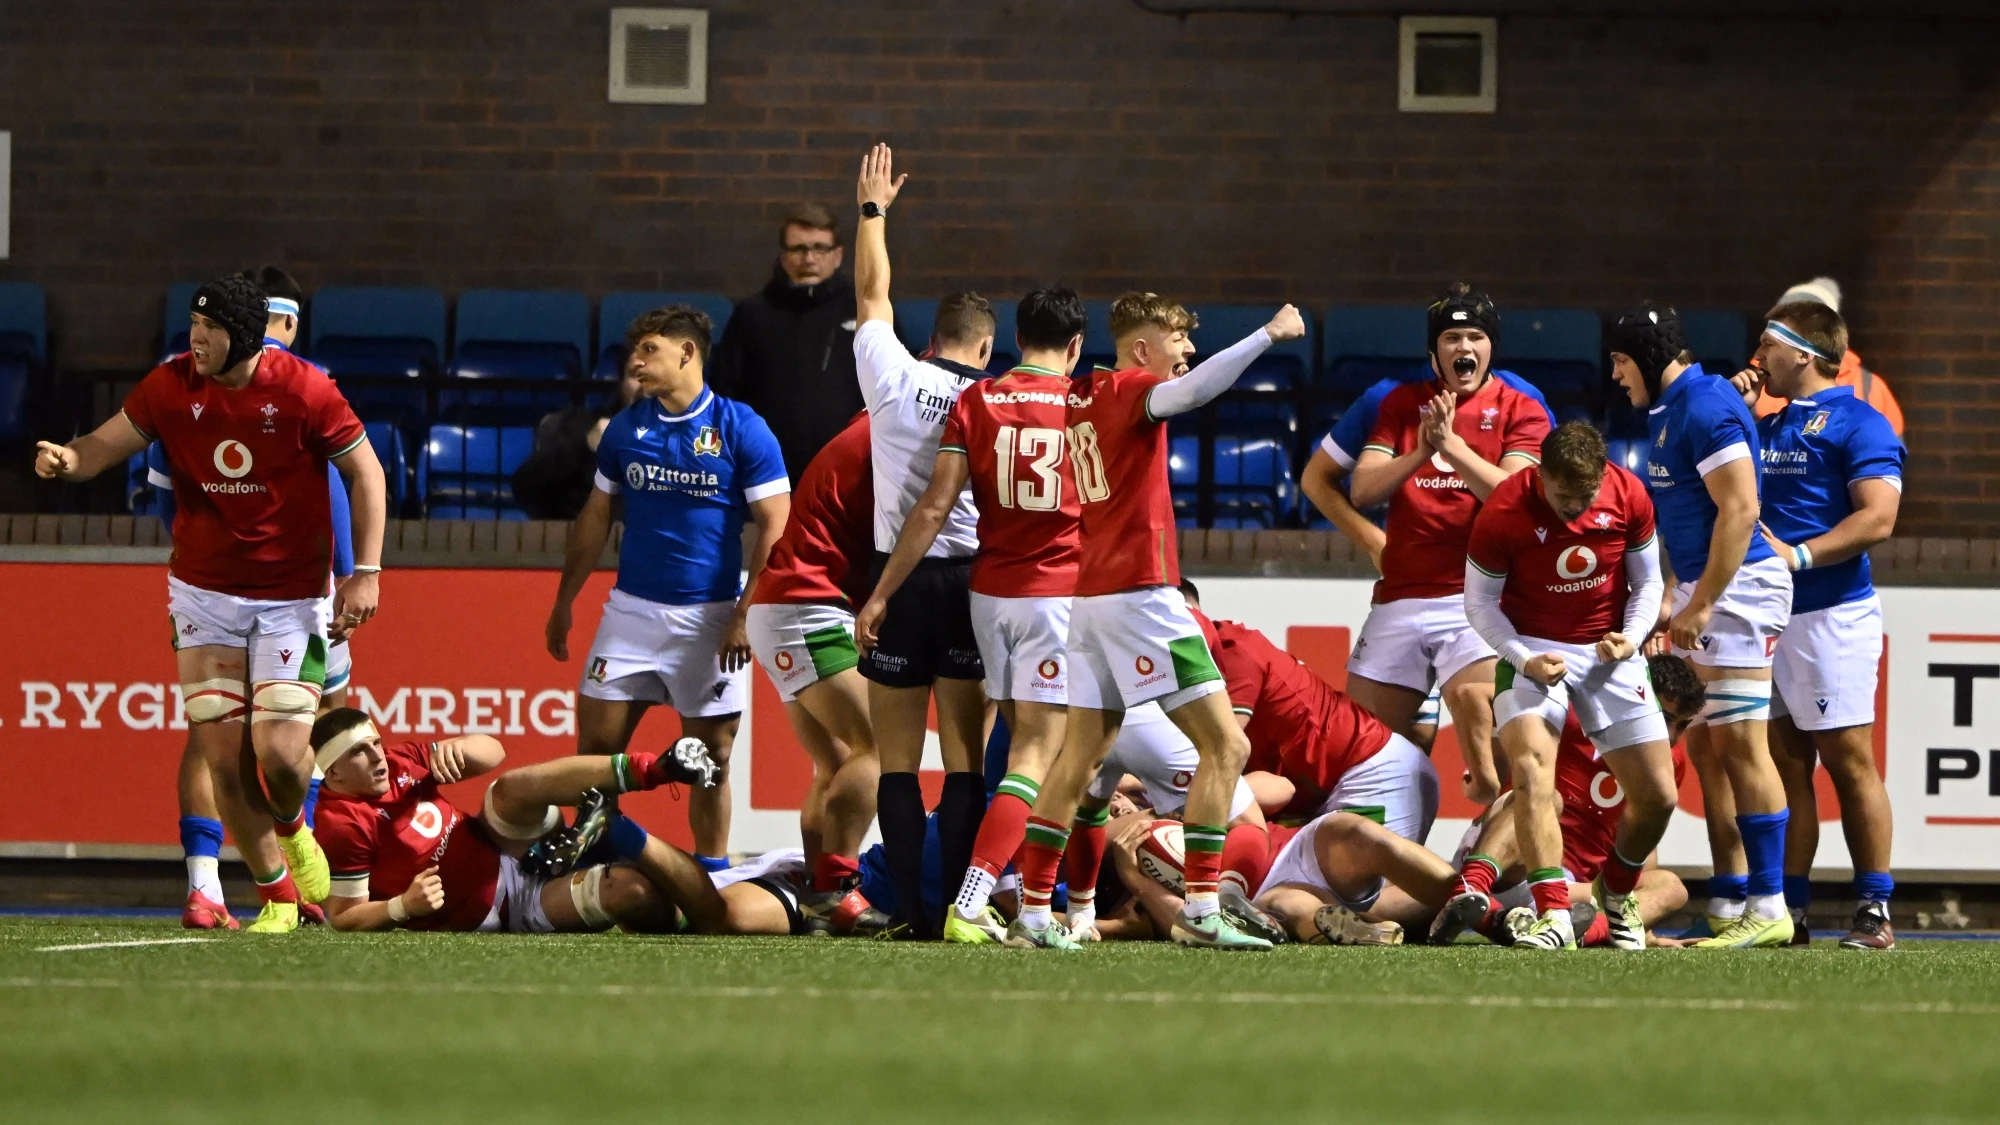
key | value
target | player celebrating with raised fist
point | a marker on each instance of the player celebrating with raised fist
(1439, 449)
(1132, 639)
(248, 432)
(1731, 600)
(1562, 579)
(1007, 439)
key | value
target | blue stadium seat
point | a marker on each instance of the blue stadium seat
(1560, 351)
(515, 335)
(1361, 345)
(1183, 460)
(387, 441)
(382, 345)
(24, 329)
(1284, 366)
(14, 379)
(617, 311)
(174, 340)
(914, 318)
(468, 468)
(1719, 339)
(1628, 452)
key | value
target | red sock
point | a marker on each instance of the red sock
(281, 890)
(1551, 890)
(290, 827)
(1083, 858)
(1478, 874)
(1598, 932)
(1041, 854)
(1203, 871)
(1000, 834)
(1246, 856)
(830, 872)
(1620, 877)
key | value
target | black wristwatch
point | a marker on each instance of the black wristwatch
(871, 210)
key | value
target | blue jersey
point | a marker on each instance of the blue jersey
(1344, 441)
(1699, 425)
(1813, 450)
(688, 481)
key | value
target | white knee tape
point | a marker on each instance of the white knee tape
(1736, 701)
(1517, 702)
(551, 820)
(212, 701)
(585, 895)
(292, 701)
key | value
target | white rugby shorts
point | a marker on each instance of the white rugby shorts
(1744, 627)
(286, 640)
(1614, 702)
(517, 902)
(1151, 748)
(647, 652)
(1024, 643)
(1397, 788)
(339, 661)
(800, 645)
(1137, 646)
(1827, 664)
(1417, 643)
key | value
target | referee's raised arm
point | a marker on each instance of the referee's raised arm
(874, 191)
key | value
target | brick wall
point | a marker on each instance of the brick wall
(458, 143)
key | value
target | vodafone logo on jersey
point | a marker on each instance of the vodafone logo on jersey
(1450, 479)
(232, 460)
(1577, 566)
(427, 820)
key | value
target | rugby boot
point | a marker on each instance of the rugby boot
(1020, 935)
(1801, 934)
(1213, 931)
(687, 762)
(1467, 911)
(557, 853)
(986, 929)
(1628, 928)
(1337, 925)
(1871, 928)
(1551, 931)
(1751, 932)
(204, 913)
(275, 918)
(308, 864)
(842, 913)
(1249, 918)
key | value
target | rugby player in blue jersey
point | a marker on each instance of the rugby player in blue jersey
(1833, 481)
(1729, 605)
(692, 467)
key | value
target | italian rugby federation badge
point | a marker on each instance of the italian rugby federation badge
(708, 443)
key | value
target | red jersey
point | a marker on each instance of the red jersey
(1565, 581)
(252, 518)
(1119, 454)
(1300, 728)
(1592, 801)
(1430, 516)
(389, 840)
(830, 526)
(1012, 431)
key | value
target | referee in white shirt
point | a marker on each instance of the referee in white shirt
(926, 646)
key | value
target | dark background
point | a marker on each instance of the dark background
(1706, 161)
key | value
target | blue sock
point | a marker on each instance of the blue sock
(1736, 887)
(711, 863)
(1764, 846)
(1874, 886)
(1798, 892)
(626, 838)
(202, 835)
(312, 800)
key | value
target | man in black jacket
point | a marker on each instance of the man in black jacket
(788, 350)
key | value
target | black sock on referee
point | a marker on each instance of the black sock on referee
(899, 807)
(961, 807)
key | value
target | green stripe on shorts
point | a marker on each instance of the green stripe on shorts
(1503, 677)
(312, 666)
(1377, 813)
(1192, 662)
(832, 651)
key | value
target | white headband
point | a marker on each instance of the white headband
(283, 306)
(337, 747)
(1784, 335)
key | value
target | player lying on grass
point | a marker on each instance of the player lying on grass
(1594, 806)
(386, 825)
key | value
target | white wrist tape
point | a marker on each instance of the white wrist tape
(398, 913)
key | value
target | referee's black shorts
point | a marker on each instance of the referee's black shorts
(927, 633)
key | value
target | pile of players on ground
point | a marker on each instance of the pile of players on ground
(1118, 766)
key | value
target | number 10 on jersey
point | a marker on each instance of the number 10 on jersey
(1039, 488)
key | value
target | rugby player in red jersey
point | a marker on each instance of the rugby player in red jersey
(1132, 640)
(404, 855)
(802, 631)
(248, 432)
(1007, 438)
(1437, 450)
(1593, 804)
(1562, 579)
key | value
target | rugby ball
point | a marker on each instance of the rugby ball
(1162, 856)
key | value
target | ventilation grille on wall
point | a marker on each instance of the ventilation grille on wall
(659, 55)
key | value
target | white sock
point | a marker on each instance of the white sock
(1726, 907)
(1201, 906)
(1082, 917)
(974, 892)
(1036, 917)
(204, 875)
(1768, 908)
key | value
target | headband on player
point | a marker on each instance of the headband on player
(336, 748)
(1470, 309)
(241, 308)
(284, 306)
(1784, 334)
(1650, 335)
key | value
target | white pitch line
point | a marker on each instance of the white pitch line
(121, 944)
(1044, 996)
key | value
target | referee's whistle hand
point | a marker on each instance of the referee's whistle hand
(868, 624)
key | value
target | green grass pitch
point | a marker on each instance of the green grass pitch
(318, 1026)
